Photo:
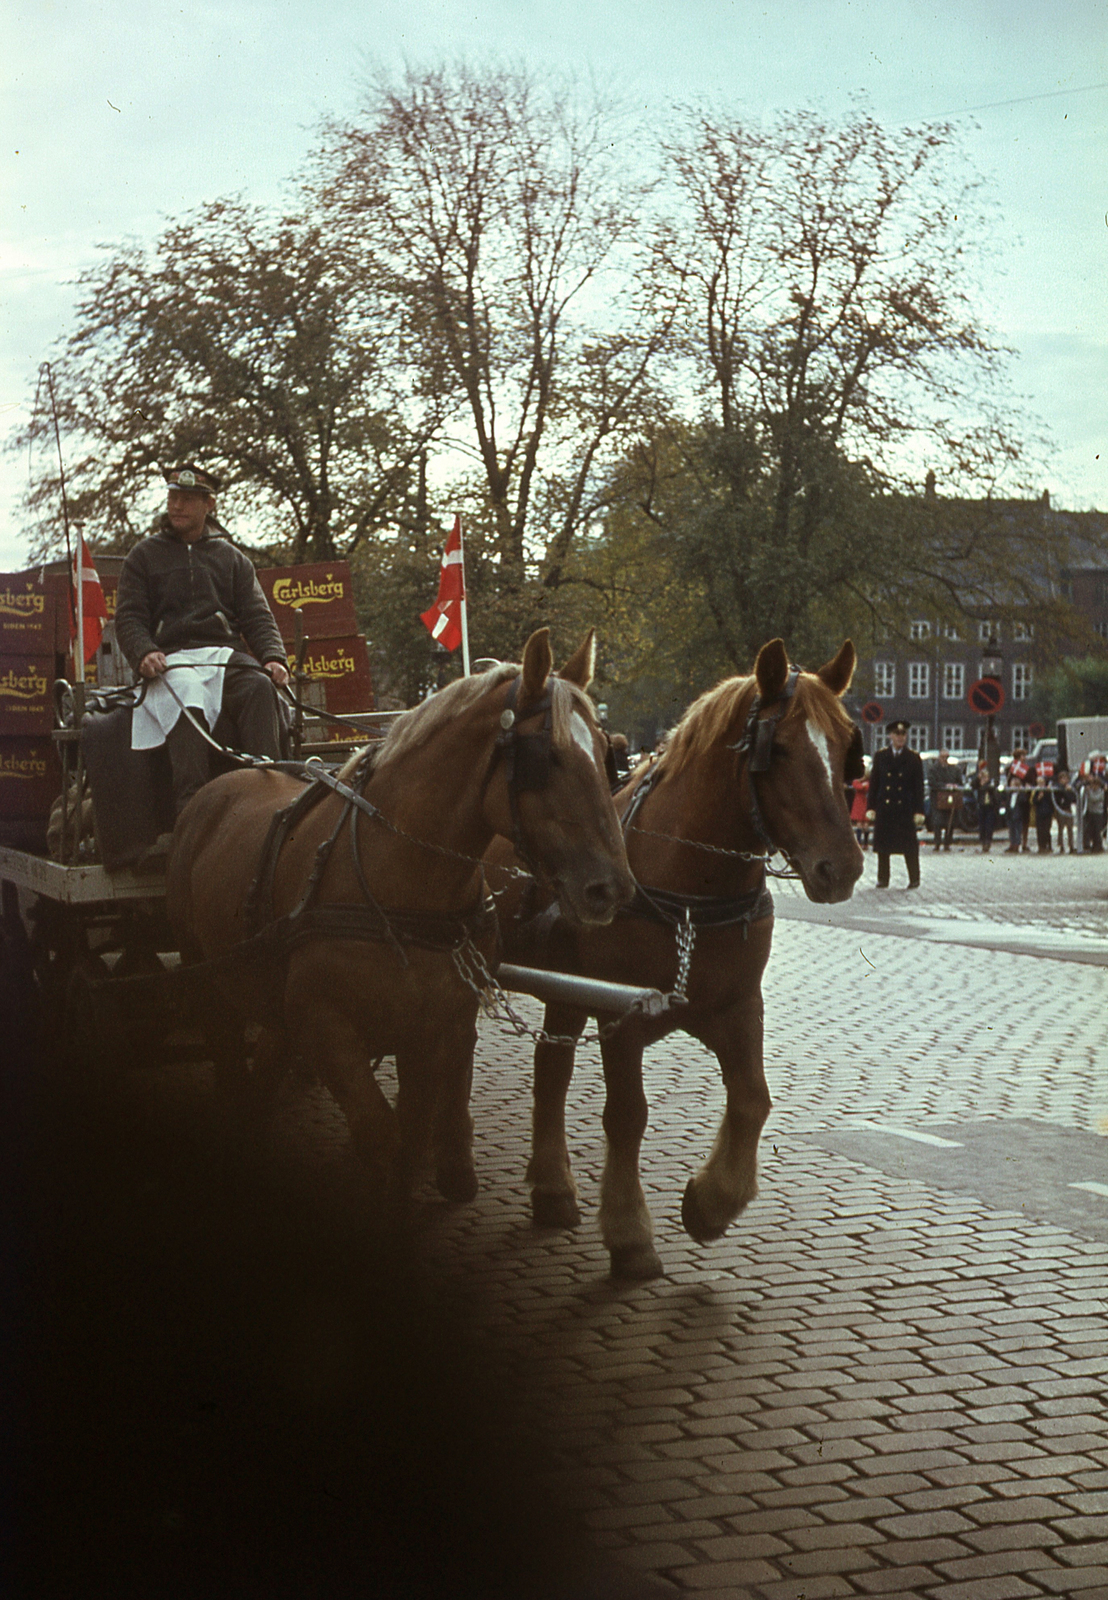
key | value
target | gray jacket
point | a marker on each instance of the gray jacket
(177, 596)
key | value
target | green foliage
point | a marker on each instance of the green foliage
(1076, 687)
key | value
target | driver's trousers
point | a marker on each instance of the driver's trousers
(248, 721)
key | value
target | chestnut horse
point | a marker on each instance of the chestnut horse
(757, 764)
(362, 962)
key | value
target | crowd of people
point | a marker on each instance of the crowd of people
(1030, 798)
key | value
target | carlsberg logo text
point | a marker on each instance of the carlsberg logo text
(30, 685)
(29, 604)
(297, 592)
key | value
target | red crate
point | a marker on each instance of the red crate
(342, 666)
(30, 778)
(323, 596)
(26, 613)
(26, 694)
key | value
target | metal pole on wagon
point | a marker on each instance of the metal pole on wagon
(464, 605)
(79, 643)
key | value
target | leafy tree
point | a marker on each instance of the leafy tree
(827, 338)
(253, 342)
(1075, 687)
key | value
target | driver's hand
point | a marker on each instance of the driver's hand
(153, 664)
(278, 672)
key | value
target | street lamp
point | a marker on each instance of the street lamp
(992, 666)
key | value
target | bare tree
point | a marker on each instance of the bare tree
(496, 208)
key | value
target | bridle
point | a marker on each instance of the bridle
(756, 744)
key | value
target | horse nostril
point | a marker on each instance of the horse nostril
(827, 873)
(599, 895)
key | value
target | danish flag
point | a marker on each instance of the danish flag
(444, 620)
(90, 604)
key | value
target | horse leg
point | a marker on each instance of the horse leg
(728, 1180)
(332, 1043)
(553, 1190)
(433, 1109)
(625, 1223)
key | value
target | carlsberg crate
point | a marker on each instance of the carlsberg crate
(27, 607)
(322, 596)
(26, 694)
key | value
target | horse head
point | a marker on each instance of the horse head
(550, 792)
(796, 752)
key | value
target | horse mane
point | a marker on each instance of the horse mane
(719, 714)
(418, 726)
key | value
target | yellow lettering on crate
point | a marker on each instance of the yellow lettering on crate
(30, 685)
(23, 767)
(321, 665)
(30, 604)
(299, 592)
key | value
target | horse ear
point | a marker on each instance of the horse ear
(537, 662)
(581, 666)
(772, 669)
(836, 674)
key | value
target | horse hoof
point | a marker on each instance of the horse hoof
(554, 1209)
(457, 1183)
(693, 1220)
(635, 1263)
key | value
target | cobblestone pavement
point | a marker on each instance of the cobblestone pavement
(889, 1377)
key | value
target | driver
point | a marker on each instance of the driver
(186, 597)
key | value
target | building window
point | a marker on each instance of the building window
(953, 734)
(1021, 737)
(919, 736)
(954, 680)
(919, 680)
(1102, 589)
(919, 630)
(1022, 631)
(987, 631)
(884, 678)
(1021, 680)
(949, 630)
(1101, 629)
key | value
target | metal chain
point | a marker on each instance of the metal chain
(712, 849)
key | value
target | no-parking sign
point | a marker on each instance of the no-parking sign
(986, 695)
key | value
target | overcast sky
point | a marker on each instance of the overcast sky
(121, 114)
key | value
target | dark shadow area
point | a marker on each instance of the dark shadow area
(222, 1383)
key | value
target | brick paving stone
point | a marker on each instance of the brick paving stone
(997, 1563)
(923, 1524)
(728, 1577)
(822, 1586)
(855, 1558)
(1091, 1582)
(1077, 1528)
(732, 1547)
(1027, 1508)
(1006, 1587)
(911, 1581)
(1026, 1535)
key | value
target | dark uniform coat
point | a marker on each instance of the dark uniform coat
(895, 797)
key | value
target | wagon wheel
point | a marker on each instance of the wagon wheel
(140, 1016)
(83, 1044)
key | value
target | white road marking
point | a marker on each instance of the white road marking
(1092, 1188)
(819, 739)
(910, 1133)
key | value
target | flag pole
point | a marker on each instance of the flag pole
(79, 647)
(79, 642)
(464, 606)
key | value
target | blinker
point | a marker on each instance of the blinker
(531, 761)
(763, 745)
(507, 719)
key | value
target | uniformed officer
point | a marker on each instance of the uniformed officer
(896, 805)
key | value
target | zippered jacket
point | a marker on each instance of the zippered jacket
(177, 596)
